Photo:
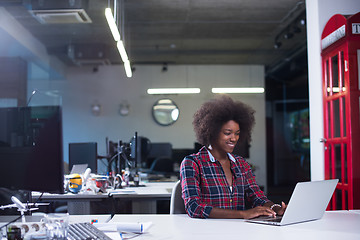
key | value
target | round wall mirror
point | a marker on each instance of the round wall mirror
(165, 112)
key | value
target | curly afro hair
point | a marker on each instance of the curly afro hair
(212, 115)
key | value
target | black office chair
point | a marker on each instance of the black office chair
(177, 205)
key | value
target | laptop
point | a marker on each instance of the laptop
(79, 168)
(308, 202)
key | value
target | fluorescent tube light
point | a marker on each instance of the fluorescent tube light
(120, 45)
(173, 90)
(128, 69)
(238, 90)
(122, 51)
(111, 21)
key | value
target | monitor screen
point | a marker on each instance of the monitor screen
(140, 147)
(135, 148)
(31, 153)
(83, 153)
(158, 150)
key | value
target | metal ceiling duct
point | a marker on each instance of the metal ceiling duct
(88, 55)
(65, 16)
(60, 12)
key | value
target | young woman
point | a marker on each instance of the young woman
(216, 183)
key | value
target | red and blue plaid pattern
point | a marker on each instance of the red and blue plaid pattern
(204, 185)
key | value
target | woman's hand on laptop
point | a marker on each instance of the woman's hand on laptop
(280, 210)
(258, 211)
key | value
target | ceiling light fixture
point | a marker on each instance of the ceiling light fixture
(173, 90)
(293, 27)
(113, 28)
(277, 44)
(288, 35)
(164, 68)
(122, 51)
(119, 43)
(128, 69)
(238, 90)
(302, 22)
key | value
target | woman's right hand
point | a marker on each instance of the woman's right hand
(258, 211)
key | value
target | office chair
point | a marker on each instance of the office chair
(177, 205)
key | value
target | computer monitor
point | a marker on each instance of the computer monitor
(31, 153)
(83, 153)
(157, 150)
(135, 150)
(140, 147)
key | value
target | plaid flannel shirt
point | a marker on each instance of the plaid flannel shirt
(204, 185)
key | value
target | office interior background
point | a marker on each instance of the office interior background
(203, 44)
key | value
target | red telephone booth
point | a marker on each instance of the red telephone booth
(340, 43)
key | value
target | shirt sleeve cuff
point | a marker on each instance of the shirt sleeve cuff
(207, 211)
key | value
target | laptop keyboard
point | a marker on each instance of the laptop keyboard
(273, 220)
(85, 231)
(268, 218)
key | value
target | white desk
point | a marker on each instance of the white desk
(78, 204)
(334, 225)
(143, 198)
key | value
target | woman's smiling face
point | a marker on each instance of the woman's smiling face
(228, 137)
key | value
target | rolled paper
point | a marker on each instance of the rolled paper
(130, 227)
(124, 227)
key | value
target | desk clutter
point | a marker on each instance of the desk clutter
(83, 228)
(87, 182)
(38, 230)
(124, 161)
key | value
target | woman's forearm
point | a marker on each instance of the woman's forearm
(245, 214)
(225, 213)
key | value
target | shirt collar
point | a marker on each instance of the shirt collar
(212, 159)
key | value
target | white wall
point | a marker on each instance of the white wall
(318, 13)
(109, 87)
